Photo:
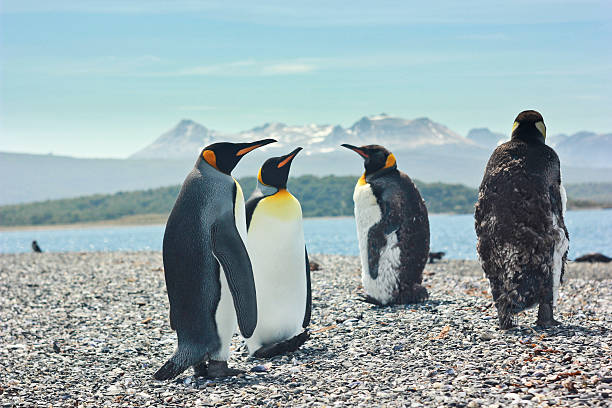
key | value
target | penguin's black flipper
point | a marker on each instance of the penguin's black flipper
(232, 254)
(377, 240)
(251, 204)
(306, 321)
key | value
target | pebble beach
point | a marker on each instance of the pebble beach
(90, 329)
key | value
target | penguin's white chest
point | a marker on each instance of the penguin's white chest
(561, 247)
(367, 214)
(277, 251)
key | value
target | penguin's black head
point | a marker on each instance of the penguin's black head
(224, 156)
(529, 127)
(275, 170)
(375, 157)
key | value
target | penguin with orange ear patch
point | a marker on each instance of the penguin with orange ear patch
(392, 230)
(206, 264)
(280, 262)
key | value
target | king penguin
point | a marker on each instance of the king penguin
(280, 262)
(392, 230)
(522, 239)
(208, 273)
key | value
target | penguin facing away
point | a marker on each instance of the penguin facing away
(392, 230)
(280, 262)
(206, 264)
(522, 238)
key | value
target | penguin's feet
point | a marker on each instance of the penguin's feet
(547, 323)
(415, 293)
(545, 316)
(201, 369)
(370, 299)
(506, 321)
(283, 347)
(219, 369)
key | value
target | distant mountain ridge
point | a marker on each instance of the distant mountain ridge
(586, 149)
(179, 142)
(424, 149)
(188, 137)
(421, 135)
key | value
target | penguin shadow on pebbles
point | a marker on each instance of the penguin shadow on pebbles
(566, 330)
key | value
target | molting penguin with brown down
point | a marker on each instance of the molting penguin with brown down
(207, 268)
(522, 238)
(392, 230)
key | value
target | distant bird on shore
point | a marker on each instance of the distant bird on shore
(436, 256)
(280, 262)
(593, 258)
(35, 247)
(207, 268)
(392, 230)
(522, 239)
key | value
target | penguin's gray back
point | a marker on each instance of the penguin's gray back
(522, 239)
(204, 235)
(203, 196)
(393, 232)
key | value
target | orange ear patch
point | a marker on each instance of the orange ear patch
(210, 158)
(390, 161)
(259, 177)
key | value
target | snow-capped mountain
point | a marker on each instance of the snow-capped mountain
(396, 132)
(187, 138)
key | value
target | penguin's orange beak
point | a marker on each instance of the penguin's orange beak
(289, 157)
(254, 146)
(356, 150)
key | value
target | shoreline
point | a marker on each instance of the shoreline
(160, 219)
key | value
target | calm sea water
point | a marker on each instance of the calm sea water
(590, 231)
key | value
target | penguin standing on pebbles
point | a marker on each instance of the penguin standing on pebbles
(280, 262)
(522, 239)
(207, 268)
(392, 229)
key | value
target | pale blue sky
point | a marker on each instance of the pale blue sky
(104, 78)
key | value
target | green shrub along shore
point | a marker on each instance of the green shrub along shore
(328, 196)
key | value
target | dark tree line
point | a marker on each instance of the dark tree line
(319, 196)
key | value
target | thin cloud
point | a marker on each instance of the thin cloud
(288, 69)
(484, 37)
(102, 65)
(246, 68)
(196, 108)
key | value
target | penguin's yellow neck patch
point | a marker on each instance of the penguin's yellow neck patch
(390, 161)
(280, 205)
(259, 178)
(362, 180)
(210, 158)
(541, 127)
(514, 126)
